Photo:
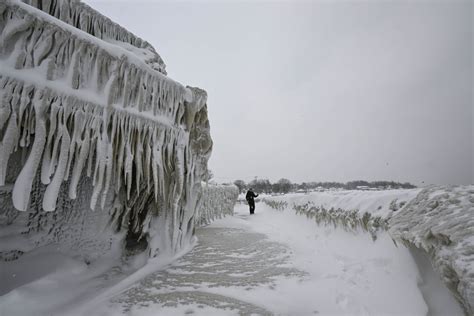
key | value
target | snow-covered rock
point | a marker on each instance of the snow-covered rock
(97, 144)
(440, 220)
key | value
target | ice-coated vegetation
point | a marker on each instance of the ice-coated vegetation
(350, 220)
(97, 144)
(277, 205)
(440, 220)
(354, 211)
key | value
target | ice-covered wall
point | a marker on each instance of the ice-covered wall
(216, 202)
(94, 138)
(440, 220)
(84, 18)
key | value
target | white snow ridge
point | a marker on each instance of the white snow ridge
(440, 220)
(435, 223)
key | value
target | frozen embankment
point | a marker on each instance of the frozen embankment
(440, 220)
(435, 223)
(101, 154)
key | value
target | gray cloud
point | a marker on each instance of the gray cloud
(324, 90)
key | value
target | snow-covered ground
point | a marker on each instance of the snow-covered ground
(306, 270)
(274, 262)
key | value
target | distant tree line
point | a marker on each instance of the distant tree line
(285, 186)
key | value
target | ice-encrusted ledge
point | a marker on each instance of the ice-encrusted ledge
(84, 18)
(440, 221)
(89, 121)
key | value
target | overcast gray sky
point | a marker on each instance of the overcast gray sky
(323, 91)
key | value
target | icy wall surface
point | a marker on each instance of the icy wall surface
(93, 135)
(84, 18)
(217, 201)
(440, 220)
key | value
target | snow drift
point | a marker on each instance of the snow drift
(437, 220)
(440, 220)
(97, 144)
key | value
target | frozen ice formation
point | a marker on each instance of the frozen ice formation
(440, 220)
(89, 121)
(84, 18)
(216, 202)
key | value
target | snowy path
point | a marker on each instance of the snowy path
(279, 263)
(224, 259)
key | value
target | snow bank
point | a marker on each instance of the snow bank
(440, 220)
(216, 202)
(97, 145)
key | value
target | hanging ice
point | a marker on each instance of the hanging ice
(86, 106)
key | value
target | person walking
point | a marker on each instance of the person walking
(250, 196)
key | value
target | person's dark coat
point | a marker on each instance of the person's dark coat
(250, 196)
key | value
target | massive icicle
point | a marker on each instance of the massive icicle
(88, 118)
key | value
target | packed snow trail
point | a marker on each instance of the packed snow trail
(279, 263)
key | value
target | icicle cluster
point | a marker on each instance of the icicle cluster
(86, 19)
(76, 104)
